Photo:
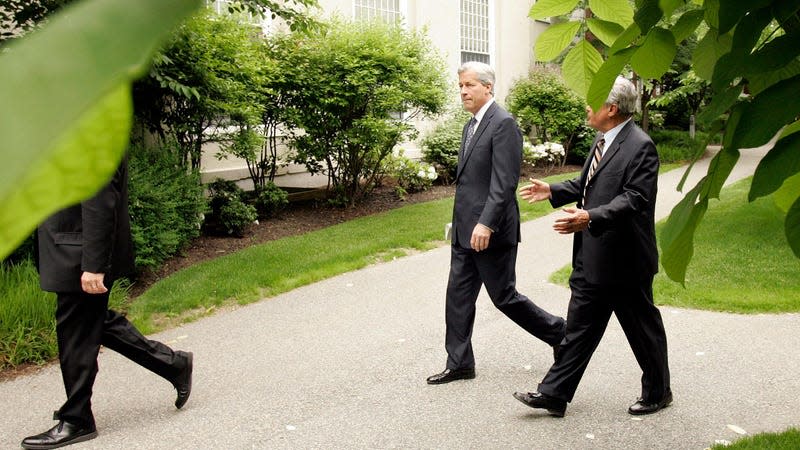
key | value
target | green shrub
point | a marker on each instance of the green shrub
(676, 146)
(229, 213)
(440, 146)
(547, 110)
(411, 176)
(270, 200)
(166, 205)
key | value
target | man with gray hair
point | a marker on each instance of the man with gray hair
(614, 256)
(485, 231)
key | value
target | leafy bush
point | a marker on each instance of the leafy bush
(547, 110)
(270, 200)
(412, 176)
(440, 146)
(166, 204)
(229, 213)
(676, 146)
(348, 106)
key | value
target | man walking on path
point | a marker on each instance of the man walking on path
(614, 256)
(81, 251)
(486, 227)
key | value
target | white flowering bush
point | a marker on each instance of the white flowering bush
(545, 155)
(411, 176)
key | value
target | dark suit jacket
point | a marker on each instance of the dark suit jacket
(93, 236)
(486, 181)
(620, 243)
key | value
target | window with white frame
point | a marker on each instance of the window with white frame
(388, 10)
(475, 27)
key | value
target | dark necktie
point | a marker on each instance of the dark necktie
(470, 132)
(598, 155)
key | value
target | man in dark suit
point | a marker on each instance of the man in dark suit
(81, 251)
(485, 227)
(614, 256)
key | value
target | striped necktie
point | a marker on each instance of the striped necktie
(470, 132)
(598, 155)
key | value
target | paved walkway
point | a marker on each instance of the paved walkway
(342, 364)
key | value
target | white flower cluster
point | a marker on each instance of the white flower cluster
(549, 151)
(426, 171)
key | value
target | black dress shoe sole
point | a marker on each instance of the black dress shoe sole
(655, 409)
(552, 412)
(75, 440)
(180, 401)
(449, 378)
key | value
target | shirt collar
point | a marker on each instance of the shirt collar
(479, 115)
(611, 134)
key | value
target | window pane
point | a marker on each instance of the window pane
(475, 30)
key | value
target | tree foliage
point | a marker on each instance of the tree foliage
(201, 82)
(352, 90)
(531, 101)
(750, 55)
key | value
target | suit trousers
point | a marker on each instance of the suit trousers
(83, 323)
(495, 269)
(590, 309)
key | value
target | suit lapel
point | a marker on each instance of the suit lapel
(614, 148)
(484, 123)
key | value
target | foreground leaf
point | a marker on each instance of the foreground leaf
(779, 164)
(654, 57)
(544, 9)
(69, 72)
(580, 66)
(554, 40)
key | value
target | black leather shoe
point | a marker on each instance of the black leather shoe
(554, 406)
(183, 384)
(60, 435)
(641, 408)
(452, 375)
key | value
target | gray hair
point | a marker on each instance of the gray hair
(484, 71)
(625, 96)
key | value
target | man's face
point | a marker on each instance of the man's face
(603, 118)
(473, 94)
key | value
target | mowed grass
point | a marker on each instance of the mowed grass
(742, 262)
(787, 440)
(278, 266)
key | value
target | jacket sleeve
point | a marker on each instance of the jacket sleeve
(506, 161)
(98, 215)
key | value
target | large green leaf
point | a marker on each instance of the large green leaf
(580, 66)
(780, 163)
(712, 13)
(604, 77)
(687, 24)
(626, 38)
(759, 82)
(554, 40)
(786, 196)
(618, 11)
(69, 72)
(677, 236)
(543, 9)
(606, 31)
(792, 226)
(708, 51)
(767, 113)
(776, 54)
(647, 14)
(653, 58)
(719, 104)
(731, 11)
(718, 171)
